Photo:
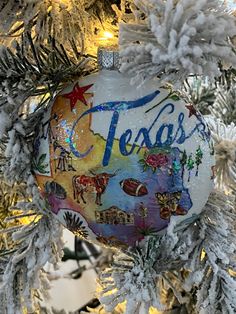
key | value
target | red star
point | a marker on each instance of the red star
(77, 94)
(192, 111)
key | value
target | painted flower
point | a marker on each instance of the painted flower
(156, 160)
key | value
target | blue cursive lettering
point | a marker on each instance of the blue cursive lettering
(166, 134)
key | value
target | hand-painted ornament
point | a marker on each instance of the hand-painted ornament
(116, 163)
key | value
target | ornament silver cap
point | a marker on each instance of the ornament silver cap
(108, 58)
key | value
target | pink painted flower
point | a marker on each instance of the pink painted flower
(156, 160)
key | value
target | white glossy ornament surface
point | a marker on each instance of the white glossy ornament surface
(133, 158)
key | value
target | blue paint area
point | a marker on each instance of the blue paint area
(159, 182)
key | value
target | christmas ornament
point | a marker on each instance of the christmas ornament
(117, 163)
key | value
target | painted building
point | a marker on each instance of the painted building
(114, 216)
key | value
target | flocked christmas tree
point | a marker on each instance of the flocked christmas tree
(186, 43)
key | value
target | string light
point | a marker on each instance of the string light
(103, 38)
(108, 35)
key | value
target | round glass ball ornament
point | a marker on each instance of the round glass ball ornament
(116, 163)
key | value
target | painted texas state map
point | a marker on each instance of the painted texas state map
(117, 204)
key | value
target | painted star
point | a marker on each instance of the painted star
(192, 111)
(77, 94)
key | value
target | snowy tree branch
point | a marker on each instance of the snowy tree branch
(175, 39)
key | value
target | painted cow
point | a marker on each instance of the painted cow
(96, 183)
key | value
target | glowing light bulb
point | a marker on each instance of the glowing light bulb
(103, 38)
(107, 35)
(106, 39)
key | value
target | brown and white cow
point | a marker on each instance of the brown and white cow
(96, 183)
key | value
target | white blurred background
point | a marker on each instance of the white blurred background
(66, 293)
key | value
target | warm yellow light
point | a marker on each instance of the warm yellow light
(25, 219)
(107, 35)
(232, 273)
(203, 255)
